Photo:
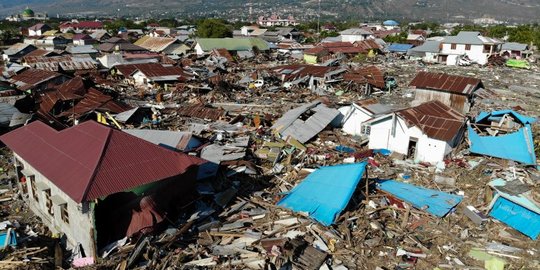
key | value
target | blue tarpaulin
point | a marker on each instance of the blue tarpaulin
(325, 192)
(435, 202)
(516, 211)
(402, 48)
(517, 146)
(6, 240)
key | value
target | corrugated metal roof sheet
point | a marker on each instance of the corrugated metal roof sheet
(292, 124)
(32, 77)
(95, 100)
(446, 83)
(91, 161)
(202, 112)
(155, 44)
(64, 62)
(435, 119)
(370, 74)
(293, 72)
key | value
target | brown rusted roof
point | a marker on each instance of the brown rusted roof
(127, 70)
(370, 74)
(200, 111)
(222, 53)
(435, 119)
(293, 72)
(38, 52)
(368, 44)
(95, 100)
(72, 89)
(446, 83)
(32, 77)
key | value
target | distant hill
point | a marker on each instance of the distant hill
(506, 10)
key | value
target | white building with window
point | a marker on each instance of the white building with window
(473, 45)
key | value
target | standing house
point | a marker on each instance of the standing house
(96, 185)
(428, 52)
(149, 74)
(17, 51)
(355, 34)
(425, 133)
(357, 113)
(515, 50)
(471, 44)
(38, 30)
(452, 90)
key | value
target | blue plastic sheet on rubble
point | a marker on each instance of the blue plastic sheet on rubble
(397, 47)
(345, 149)
(517, 146)
(325, 192)
(12, 241)
(435, 202)
(382, 151)
(515, 211)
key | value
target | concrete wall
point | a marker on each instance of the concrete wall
(81, 217)
(427, 149)
(354, 118)
(352, 38)
(476, 53)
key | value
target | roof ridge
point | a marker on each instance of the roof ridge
(98, 164)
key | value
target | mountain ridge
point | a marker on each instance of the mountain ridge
(504, 10)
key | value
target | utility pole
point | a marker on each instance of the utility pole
(319, 19)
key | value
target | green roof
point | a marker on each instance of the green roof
(28, 13)
(232, 44)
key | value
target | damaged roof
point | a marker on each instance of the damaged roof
(446, 83)
(202, 112)
(306, 121)
(370, 74)
(155, 44)
(32, 77)
(91, 161)
(435, 119)
(292, 72)
(95, 100)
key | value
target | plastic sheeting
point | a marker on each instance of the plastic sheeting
(515, 210)
(435, 202)
(325, 192)
(517, 146)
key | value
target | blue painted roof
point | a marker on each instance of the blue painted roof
(435, 202)
(325, 192)
(523, 119)
(396, 47)
(390, 23)
(517, 146)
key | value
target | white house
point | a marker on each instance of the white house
(354, 116)
(356, 34)
(425, 133)
(38, 30)
(471, 44)
(427, 52)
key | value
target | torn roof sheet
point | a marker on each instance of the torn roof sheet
(291, 124)
(517, 146)
(324, 193)
(435, 202)
(515, 210)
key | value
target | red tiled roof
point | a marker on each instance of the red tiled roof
(91, 161)
(446, 83)
(435, 119)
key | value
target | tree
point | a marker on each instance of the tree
(213, 28)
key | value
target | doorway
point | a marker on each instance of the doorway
(411, 150)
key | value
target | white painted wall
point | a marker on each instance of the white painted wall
(198, 49)
(352, 38)
(476, 53)
(427, 149)
(81, 217)
(354, 117)
(139, 79)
